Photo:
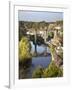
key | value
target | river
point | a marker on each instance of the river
(43, 61)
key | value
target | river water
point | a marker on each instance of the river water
(43, 61)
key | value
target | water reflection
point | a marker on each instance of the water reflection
(40, 48)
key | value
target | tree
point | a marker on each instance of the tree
(35, 26)
(24, 50)
(22, 29)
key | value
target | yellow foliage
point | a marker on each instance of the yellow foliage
(24, 49)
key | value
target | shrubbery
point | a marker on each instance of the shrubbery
(50, 35)
(24, 50)
(38, 72)
(52, 71)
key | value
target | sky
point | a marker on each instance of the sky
(38, 16)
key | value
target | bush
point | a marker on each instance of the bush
(53, 71)
(38, 72)
(51, 34)
(24, 50)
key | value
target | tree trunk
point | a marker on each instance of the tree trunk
(45, 37)
(36, 41)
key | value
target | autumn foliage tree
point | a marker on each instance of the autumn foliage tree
(24, 50)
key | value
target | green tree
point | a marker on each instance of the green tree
(22, 29)
(24, 49)
(35, 27)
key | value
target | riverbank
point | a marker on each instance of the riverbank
(25, 73)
